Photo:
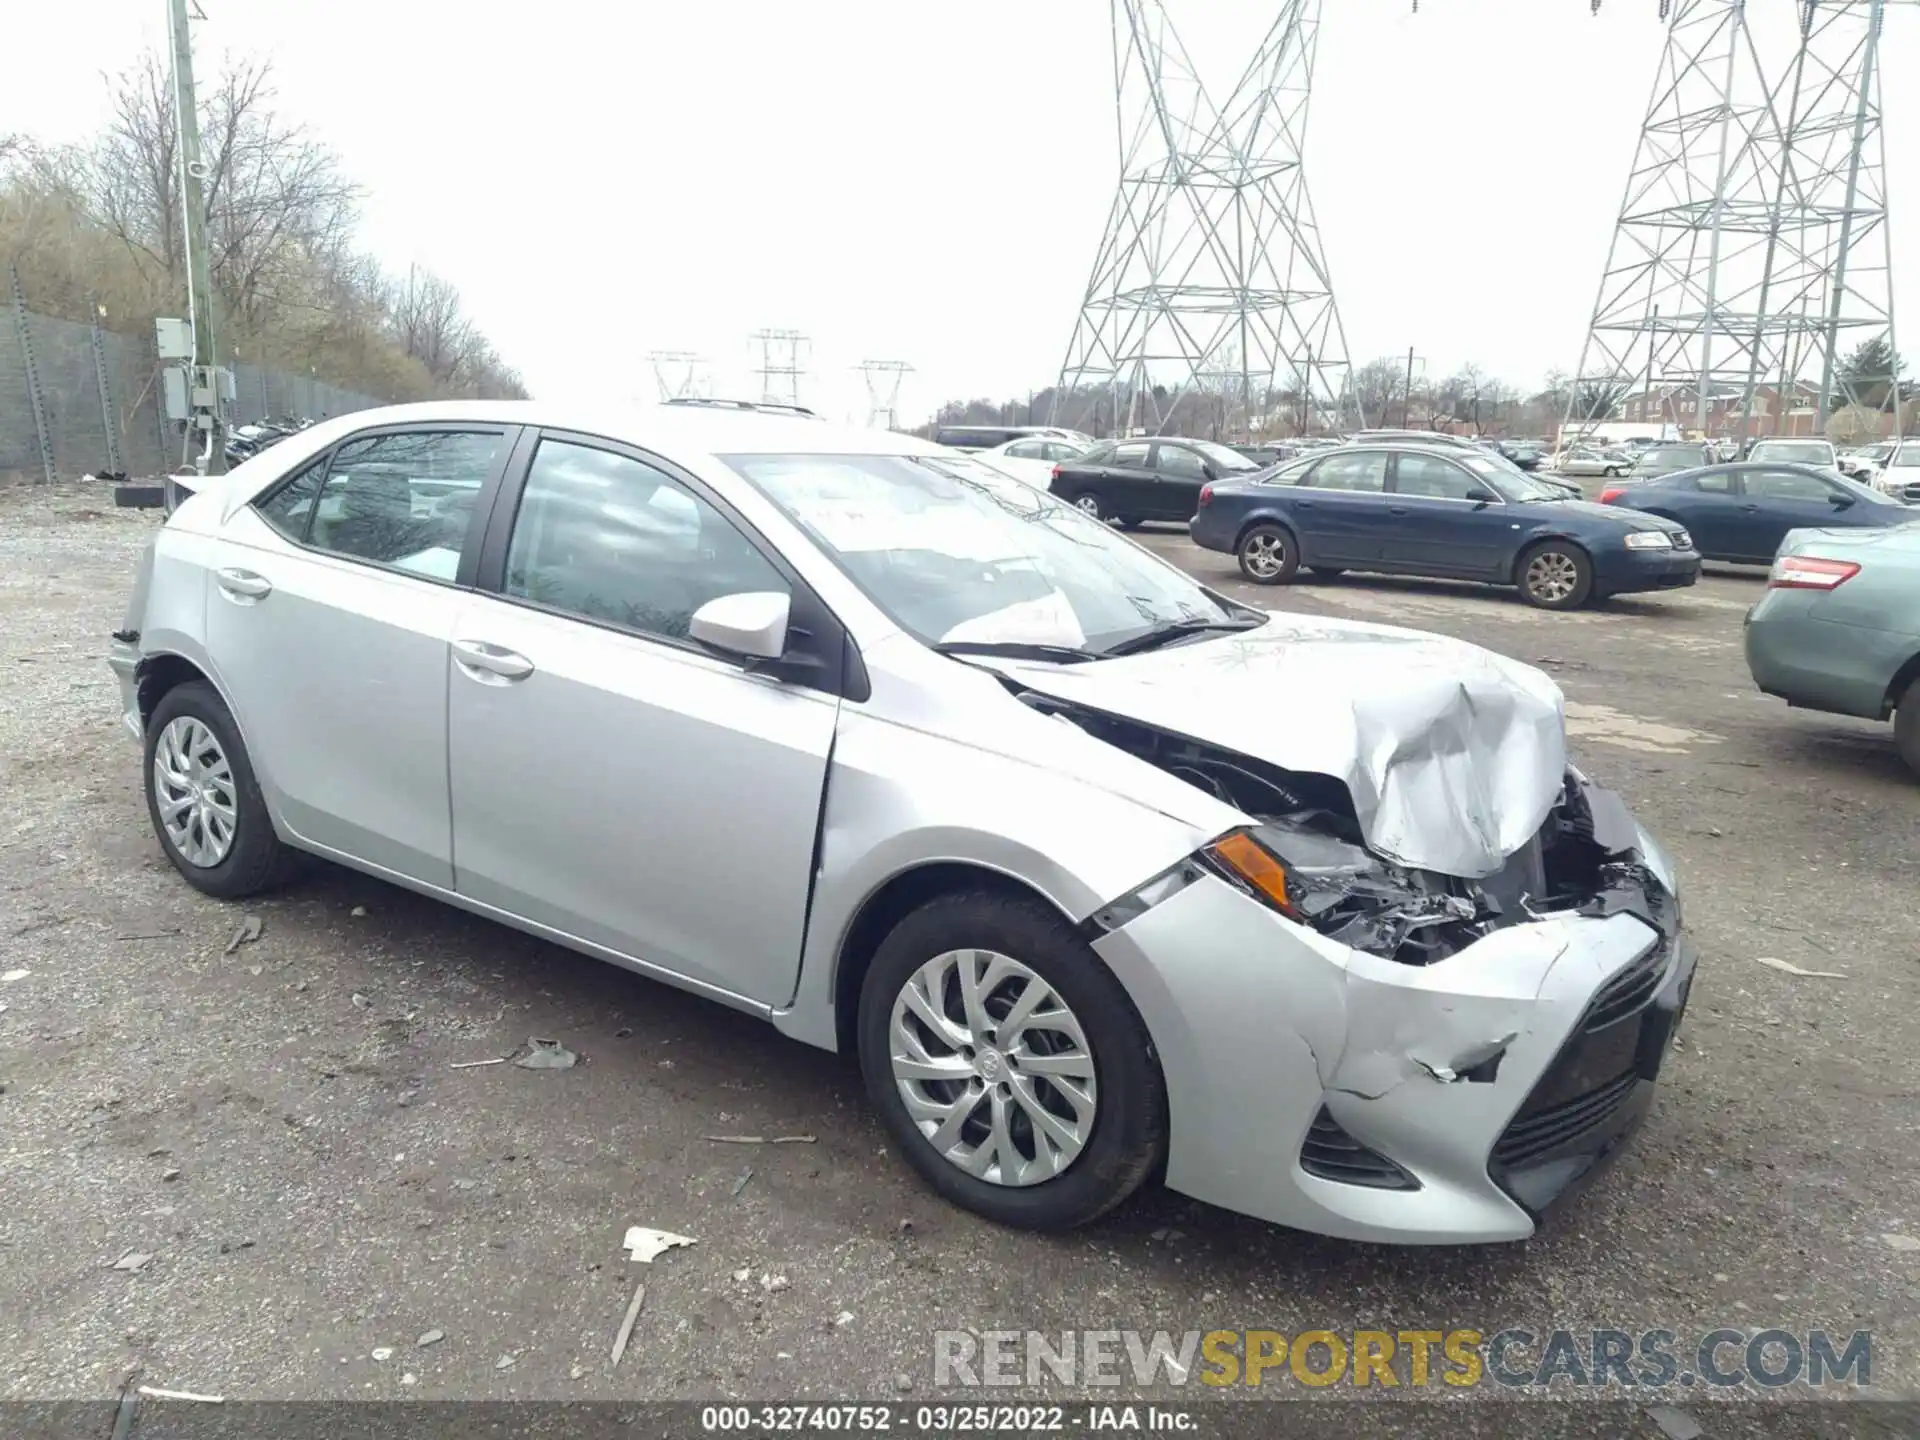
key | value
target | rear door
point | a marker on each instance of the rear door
(328, 621)
(1434, 525)
(1179, 473)
(1341, 509)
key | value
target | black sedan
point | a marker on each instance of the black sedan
(1742, 512)
(1405, 510)
(1156, 478)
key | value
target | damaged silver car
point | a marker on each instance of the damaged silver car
(1101, 874)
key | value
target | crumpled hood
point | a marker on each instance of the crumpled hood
(1453, 755)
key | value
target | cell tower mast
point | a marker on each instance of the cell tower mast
(1751, 247)
(1210, 281)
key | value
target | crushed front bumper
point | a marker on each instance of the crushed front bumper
(1492, 1079)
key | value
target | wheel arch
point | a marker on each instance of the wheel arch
(1897, 686)
(1534, 542)
(890, 903)
(1268, 517)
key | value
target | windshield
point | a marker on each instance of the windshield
(1507, 479)
(1797, 452)
(955, 552)
(1222, 457)
(1905, 458)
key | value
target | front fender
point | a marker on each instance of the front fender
(900, 798)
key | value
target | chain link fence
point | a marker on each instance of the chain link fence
(77, 400)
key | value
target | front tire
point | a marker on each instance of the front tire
(1268, 554)
(204, 801)
(1045, 1125)
(1906, 725)
(1555, 575)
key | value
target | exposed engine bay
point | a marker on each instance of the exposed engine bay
(1583, 860)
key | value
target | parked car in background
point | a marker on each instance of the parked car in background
(1657, 460)
(1818, 454)
(863, 739)
(1900, 473)
(1031, 459)
(1839, 627)
(1741, 512)
(1274, 453)
(1130, 481)
(1583, 460)
(1424, 510)
(985, 437)
(1526, 454)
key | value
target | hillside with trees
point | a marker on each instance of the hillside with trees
(94, 230)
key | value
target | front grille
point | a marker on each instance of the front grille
(1330, 1153)
(1545, 1130)
(1911, 494)
(1628, 991)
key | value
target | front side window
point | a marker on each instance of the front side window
(1432, 477)
(1351, 470)
(609, 538)
(1179, 461)
(956, 552)
(405, 499)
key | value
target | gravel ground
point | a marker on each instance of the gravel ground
(282, 1131)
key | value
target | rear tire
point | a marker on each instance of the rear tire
(1089, 504)
(1268, 554)
(1127, 1098)
(204, 801)
(1906, 725)
(1555, 575)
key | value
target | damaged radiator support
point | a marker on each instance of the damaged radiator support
(1580, 861)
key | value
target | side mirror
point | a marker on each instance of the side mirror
(1841, 502)
(752, 624)
(1207, 469)
(1482, 497)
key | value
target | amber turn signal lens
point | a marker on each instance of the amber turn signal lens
(1244, 855)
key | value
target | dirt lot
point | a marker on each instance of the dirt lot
(281, 1130)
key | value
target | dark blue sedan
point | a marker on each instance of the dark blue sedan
(1413, 510)
(1742, 512)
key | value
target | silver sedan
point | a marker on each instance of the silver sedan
(1101, 874)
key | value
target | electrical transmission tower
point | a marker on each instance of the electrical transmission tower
(780, 365)
(883, 379)
(1210, 288)
(1751, 250)
(680, 375)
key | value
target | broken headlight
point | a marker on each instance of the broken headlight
(1303, 868)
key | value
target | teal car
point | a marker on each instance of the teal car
(1839, 627)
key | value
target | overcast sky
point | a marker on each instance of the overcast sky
(923, 180)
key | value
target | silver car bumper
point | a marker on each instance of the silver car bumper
(1486, 1079)
(122, 659)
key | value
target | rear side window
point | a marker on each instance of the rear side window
(1134, 456)
(290, 508)
(1716, 482)
(404, 500)
(1355, 470)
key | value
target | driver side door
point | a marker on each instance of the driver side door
(1778, 499)
(612, 780)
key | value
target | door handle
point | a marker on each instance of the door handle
(1303, 505)
(1396, 509)
(243, 584)
(1751, 509)
(490, 664)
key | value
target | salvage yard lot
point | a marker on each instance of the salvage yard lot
(281, 1130)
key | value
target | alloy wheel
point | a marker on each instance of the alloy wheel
(994, 1068)
(1265, 554)
(1552, 576)
(193, 791)
(1089, 503)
